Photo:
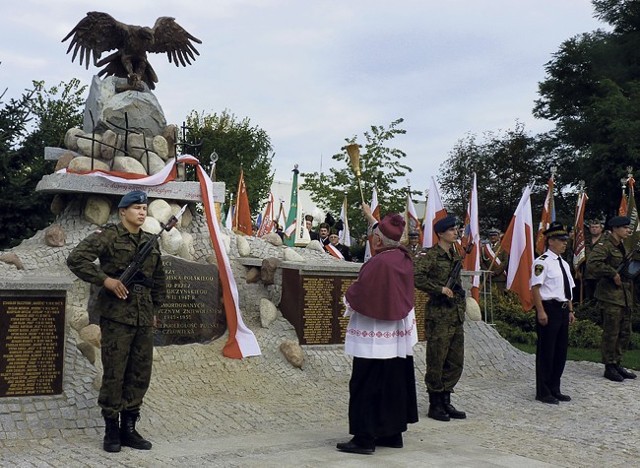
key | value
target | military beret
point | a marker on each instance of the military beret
(595, 221)
(392, 226)
(414, 235)
(494, 232)
(556, 230)
(445, 223)
(134, 197)
(619, 221)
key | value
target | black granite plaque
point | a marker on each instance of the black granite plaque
(313, 305)
(31, 345)
(192, 311)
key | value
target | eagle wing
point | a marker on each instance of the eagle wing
(170, 37)
(95, 33)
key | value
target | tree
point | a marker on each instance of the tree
(380, 166)
(237, 143)
(505, 163)
(592, 93)
(50, 112)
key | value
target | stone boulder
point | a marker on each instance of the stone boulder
(292, 351)
(268, 312)
(83, 163)
(12, 259)
(268, 271)
(143, 110)
(244, 249)
(273, 239)
(71, 138)
(89, 145)
(54, 236)
(129, 165)
(291, 255)
(91, 334)
(97, 209)
(160, 209)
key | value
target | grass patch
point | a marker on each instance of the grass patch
(631, 358)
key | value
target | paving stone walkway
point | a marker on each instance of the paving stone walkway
(206, 410)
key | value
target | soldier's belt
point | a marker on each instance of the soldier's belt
(138, 288)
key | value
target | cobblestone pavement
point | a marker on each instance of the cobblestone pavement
(206, 410)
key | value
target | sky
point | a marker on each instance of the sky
(313, 73)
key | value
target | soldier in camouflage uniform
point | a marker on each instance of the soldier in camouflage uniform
(126, 317)
(444, 319)
(589, 282)
(614, 298)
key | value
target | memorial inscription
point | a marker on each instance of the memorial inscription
(191, 312)
(31, 345)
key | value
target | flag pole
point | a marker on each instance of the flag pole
(353, 150)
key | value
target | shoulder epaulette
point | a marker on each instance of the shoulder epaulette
(543, 256)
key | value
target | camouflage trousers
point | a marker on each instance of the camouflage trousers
(616, 331)
(445, 354)
(127, 359)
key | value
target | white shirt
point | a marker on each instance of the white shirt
(546, 273)
(366, 337)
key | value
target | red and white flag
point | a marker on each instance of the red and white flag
(435, 212)
(375, 211)
(518, 242)
(242, 214)
(472, 234)
(267, 218)
(547, 217)
(411, 220)
(241, 341)
(344, 234)
(579, 250)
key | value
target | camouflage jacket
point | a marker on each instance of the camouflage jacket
(431, 273)
(602, 264)
(115, 248)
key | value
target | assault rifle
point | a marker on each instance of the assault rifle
(630, 268)
(452, 281)
(133, 273)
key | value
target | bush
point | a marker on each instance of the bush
(514, 334)
(585, 334)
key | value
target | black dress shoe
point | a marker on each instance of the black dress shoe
(550, 399)
(611, 373)
(562, 397)
(352, 447)
(626, 374)
(394, 441)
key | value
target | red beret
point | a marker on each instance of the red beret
(392, 226)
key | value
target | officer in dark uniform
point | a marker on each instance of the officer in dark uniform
(613, 296)
(444, 319)
(126, 317)
(413, 246)
(551, 288)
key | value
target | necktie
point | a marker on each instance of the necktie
(565, 280)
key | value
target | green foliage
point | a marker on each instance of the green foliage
(513, 324)
(52, 111)
(380, 166)
(592, 93)
(238, 144)
(585, 334)
(505, 163)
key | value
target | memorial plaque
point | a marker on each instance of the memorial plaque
(313, 305)
(192, 311)
(31, 345)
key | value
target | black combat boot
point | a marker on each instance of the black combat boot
(436, 408)
(129, 437)
(625, 373)
(111, 441)
(611, 373)
(450, 409)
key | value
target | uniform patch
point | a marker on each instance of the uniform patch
(538, 270)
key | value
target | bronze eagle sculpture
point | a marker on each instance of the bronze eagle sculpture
(100, 32)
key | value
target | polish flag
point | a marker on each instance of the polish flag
(435, 212)
(241, 341)
(267, 218)
(472, 235)
(411, 219)
(375, 211)
(518, 242)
